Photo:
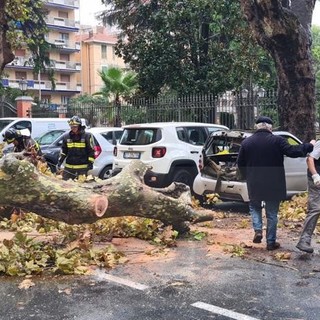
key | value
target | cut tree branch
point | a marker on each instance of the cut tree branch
(23, 186)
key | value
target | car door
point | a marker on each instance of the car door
(295, 169)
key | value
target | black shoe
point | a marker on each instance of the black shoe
(303, 246)
(273, 246)
(257, 236)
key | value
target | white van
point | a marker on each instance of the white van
(37, 126)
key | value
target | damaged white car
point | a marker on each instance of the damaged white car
(218, 171)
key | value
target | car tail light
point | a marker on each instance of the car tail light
(115, 151)
(158, 152)
(97, 151)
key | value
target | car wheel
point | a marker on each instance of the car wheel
(106, 173)
(183, 176)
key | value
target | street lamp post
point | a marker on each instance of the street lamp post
(23, 86)
(24, 102)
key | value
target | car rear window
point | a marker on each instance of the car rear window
(140, 136)
(222, 145)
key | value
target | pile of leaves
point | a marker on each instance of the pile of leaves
(295, 209)
(44, 246)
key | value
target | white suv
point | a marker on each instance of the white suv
(172, 149)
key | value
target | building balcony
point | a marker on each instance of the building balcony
(58, 23)
(63, 44)
(73, 4)
(65, 66)
(42, 85)
(27, 63)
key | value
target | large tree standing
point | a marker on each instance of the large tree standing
(6, 54)
(185, 46)
(284, 32)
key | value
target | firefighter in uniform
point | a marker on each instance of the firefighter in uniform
(77, 150)
(22, 141)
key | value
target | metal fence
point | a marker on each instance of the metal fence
(237, 110)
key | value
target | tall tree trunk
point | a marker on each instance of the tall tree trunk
(279, 31)
(6, 54)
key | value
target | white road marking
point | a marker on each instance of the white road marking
(222, 311)
(125, 282)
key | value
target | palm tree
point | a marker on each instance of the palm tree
(117, 84)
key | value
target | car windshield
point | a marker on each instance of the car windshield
(49, 137)
(140, 136)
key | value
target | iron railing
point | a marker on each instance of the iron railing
(235, 110)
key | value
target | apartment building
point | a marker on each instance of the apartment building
(62, 32)
(97, 53)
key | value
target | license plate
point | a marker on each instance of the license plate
(131, 155)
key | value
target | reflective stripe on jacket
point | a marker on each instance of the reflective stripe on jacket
(78, 149)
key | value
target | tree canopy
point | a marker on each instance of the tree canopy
(187, 46)
(23, 23)
(117, 83)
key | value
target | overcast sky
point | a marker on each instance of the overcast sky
(89, 7)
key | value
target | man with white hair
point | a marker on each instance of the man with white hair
(260, 162)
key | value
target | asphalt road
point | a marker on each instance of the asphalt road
(192, 285)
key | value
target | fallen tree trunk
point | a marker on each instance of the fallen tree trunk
(23, 186)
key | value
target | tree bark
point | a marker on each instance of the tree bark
(6, 54)
(279, 31)
(22, 186)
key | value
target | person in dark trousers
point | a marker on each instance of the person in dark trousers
(22, 141)
(260, 162)
(313, 208)
(77, 150)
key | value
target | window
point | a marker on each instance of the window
(65, 99)
(65, 78)
(21, 75)
(64, 36)
(113, 53)
(63, 14)
(112, 136)
(140, 136)
(196, 135)
(103, 51)
(181, 134)
(64, 57)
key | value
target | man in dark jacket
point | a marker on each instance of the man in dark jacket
(260, 162)
(77, 150)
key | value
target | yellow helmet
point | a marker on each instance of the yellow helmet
(74, 121)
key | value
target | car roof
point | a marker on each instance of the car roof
(103, 129)
(174, 124)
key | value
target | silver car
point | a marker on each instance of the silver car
(105, 138)
(218, 172)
